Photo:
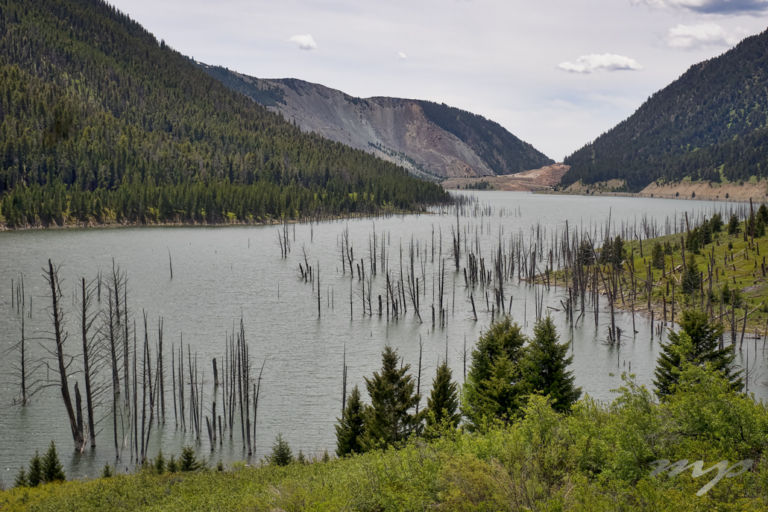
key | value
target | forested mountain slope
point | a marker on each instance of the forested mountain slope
(709, 124)
(429, 139)
(100, 122)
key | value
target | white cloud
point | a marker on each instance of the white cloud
(695, 36)
(711, 6)
(402, 55)
(604, 61)
(305, 41)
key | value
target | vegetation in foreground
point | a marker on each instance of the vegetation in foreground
(523, 451)
(597, 457)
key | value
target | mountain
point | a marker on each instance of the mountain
(100, 122)
(429, 139)
(710, 124)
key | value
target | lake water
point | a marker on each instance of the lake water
(225, 273)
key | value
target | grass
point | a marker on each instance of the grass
(597, 458)
(738, 263)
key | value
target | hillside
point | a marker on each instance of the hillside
(429, 139)
(100, 122)
(710, 124)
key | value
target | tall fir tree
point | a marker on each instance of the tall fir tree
(493, 388)
(393, 394)
(545, 367)
(351, 426)
(35, 473)
(697, 342)
(52, 470)
(443, 401)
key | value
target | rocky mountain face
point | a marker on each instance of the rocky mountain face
(431, 140)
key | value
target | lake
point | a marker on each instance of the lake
(223, 274)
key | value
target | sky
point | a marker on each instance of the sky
(556, 73)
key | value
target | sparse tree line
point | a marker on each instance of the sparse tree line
(506, 367)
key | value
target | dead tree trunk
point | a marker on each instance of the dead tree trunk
(60, 337)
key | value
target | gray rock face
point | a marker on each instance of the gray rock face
(430, 140)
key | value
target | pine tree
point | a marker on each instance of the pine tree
(281, 452)
(697, 342)
(52, 470)
(658, 256)
(350, 430)
(188, 461)
(443, 401)
(393, 394)
(545, 367)
(21, 479)
(35, 473)
(492, 388)
(106, 472)
(733, 225)
(691, 280)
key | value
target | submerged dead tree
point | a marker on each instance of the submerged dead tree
(60, 337)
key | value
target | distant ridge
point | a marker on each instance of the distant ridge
(429, 139)
(709, 124)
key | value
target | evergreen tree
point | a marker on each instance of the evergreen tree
(697, 342)
(733, 225)
(691, 280)
(393, 394)
(443, 401)
(545, 367)
(188, 461)
(106, 472)
(350, 429)
(172, 466)
(159, 463)
(52, 470)
(492, 389)
(21, 479)
(281, 452)
(658, 256)
(35, 473)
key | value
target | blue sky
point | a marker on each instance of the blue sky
(556, 73)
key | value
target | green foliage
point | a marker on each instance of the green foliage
(121, 129)
(720, 131)
(159, 464)
(612, 252)
(21, 479)
(281, 452)
(35, 474)
(595, 458)
(733, 225)
(586, 254)
(52, 470)
(545, 367)
(351, 427)
(493, 388)
(393, 394)
(657, 256)
(172, 465)
(107, 471)
(188, 460)
(696, 343)
(443, 401)
(691, 281)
